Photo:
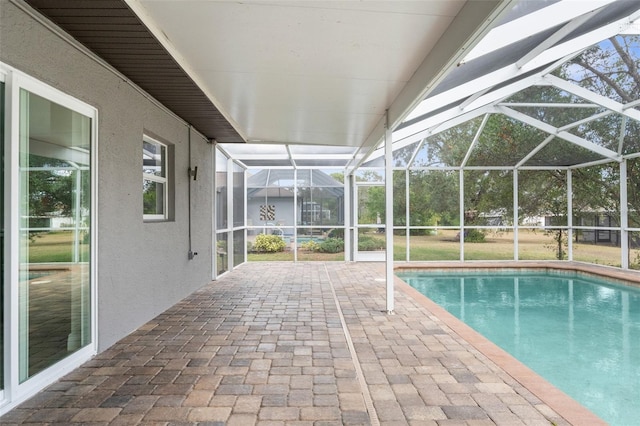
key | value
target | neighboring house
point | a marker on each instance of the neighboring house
(272, 203)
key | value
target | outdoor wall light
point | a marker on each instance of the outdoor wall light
(193, 172)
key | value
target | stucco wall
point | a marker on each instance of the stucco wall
(283, 209)
(143, 268)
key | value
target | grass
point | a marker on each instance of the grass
(532, 245)
(54, 247)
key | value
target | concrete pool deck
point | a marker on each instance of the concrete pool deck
(284, 343)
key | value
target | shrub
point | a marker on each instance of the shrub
(369, 243)
(336, 233)
(473, 236)
(269, 243)
(331, 245)
(310, 245)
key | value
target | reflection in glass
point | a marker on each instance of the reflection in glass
(153, 197)
(54, 243)
(154, 182)
(154, 158)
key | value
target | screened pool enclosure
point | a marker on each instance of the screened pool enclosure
(528, 150)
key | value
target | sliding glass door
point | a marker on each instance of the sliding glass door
(54, 236)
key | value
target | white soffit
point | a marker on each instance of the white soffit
(311, 72)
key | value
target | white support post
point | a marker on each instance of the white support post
(347, 217)
(245, 210)
(77, 217)
(388, 182)
(294, 243)
(214, 216)
(624, 216)
(407, 220)
(461, 201)
(515, 215)
(570, 215)
(229, 248)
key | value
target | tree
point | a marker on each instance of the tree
(50, 188)
(609, 69)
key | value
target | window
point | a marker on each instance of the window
(154, 180)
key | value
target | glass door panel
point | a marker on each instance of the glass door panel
(54, 240)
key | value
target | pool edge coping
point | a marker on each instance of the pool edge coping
(564, 405)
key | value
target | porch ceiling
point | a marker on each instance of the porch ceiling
(310, 72)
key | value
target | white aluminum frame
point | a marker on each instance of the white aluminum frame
(14, 391)
(164, 180)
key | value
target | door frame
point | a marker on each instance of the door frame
(15, 392)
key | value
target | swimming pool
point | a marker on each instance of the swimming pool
(579, 333)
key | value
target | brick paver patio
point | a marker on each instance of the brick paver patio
(266, 345)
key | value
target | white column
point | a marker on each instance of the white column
(515, 215)
(229, 266)
(347, 218)
(388, 182)
(407, 220)
(570, 215)
(214, 216)
(294, 244)
(624, 216)
(461, 201)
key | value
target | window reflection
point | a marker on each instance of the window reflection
(55, 207)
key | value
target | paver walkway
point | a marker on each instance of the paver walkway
(267, 345)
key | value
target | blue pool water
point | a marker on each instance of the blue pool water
(579, 333)
(307, 239)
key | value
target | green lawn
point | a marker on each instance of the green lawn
(54, 247)
(533, 245)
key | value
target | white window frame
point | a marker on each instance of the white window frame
(164, 180)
